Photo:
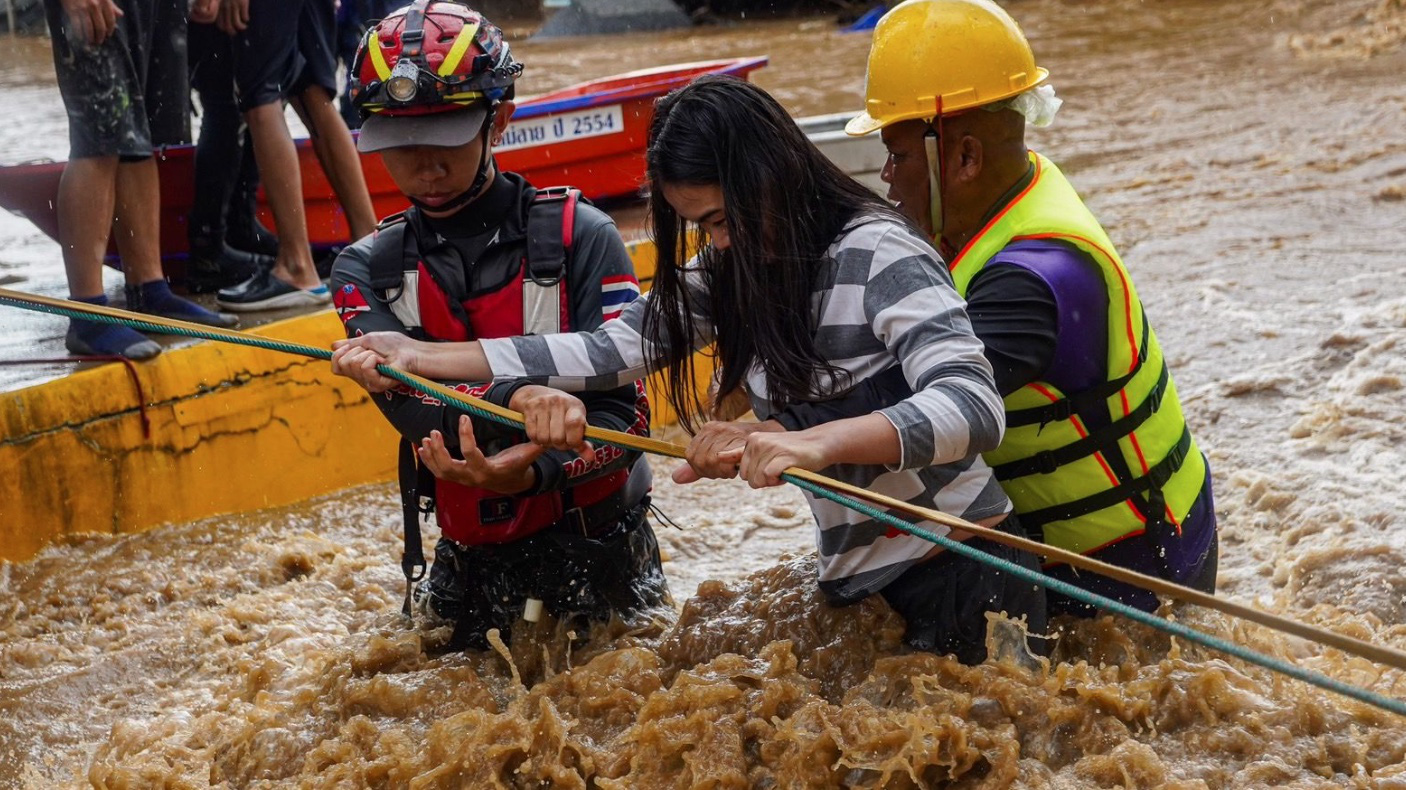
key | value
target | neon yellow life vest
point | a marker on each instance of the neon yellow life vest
(1054, 470)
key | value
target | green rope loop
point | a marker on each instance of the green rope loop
(1035, 577)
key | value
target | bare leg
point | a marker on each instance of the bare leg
(337, 154)
(138, 233)
(87, 195)
(87, 198)
(138, 221)
(278, 163)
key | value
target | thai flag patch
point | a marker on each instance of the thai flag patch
(617, 291)
(349, 301)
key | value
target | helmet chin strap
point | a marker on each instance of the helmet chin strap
(932, 142)
(485, 163)
(934, 151)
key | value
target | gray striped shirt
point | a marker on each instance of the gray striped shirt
(883, 299)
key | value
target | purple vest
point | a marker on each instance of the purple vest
(1081, 348)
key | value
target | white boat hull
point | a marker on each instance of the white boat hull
(862, 157)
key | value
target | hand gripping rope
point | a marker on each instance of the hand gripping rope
(874, 505)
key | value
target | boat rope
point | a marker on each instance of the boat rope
(874, 505)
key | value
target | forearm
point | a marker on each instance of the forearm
(948, 420)
(414, 415)
(613, 355)
(870, 439)
(463, 361)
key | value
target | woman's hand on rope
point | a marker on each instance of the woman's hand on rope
(357, 358)
(554, 419)
(713, 439)
(359, 365)
(457, 361)
(507, 472)
(766, 455)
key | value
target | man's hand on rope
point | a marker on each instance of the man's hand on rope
(554, 419)
(357, 358)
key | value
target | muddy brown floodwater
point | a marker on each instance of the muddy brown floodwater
(1250, 160)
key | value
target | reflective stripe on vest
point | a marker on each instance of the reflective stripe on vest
(422, 304)
(1054, 467)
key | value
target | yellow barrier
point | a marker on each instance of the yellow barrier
(232, 429)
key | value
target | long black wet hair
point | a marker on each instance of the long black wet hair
(785, 203)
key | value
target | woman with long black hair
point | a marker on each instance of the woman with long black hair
(808, 285)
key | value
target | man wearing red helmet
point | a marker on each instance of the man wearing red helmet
(482, 253)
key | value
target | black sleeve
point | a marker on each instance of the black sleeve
(412, 413)
(874, 393)
(601, 281)
(1014, 314)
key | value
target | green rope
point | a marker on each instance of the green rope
(1035, 577)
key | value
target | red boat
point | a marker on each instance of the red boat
(591, 135)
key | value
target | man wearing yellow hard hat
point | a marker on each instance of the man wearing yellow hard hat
(1097, 456)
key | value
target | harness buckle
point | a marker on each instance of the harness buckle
(1045, 462)
(1059, 411)
(1155, 398)
(575, 519)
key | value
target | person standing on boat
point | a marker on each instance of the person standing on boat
(809, 285)
(228, 244)
(1097, 456)
(283, 51)
(121, 68)
(482, 253)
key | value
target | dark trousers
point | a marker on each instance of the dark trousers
(615, 569)
(224, 191)
(944, 600)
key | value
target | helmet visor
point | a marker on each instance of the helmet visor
(442, 129)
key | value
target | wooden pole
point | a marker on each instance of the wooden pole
(1382, 654)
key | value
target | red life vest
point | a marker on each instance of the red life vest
(531, 300)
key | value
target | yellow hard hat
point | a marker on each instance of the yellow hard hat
(947, 54)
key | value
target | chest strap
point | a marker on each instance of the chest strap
(1104, 438)
(551, 221)
(1148, 486)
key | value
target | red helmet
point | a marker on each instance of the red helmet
(431, 56)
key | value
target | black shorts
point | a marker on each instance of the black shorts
(129, 95)
(287, 48)
(615, 570)
(944, 601)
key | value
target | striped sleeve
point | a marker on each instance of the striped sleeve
(915, 312)
(611, 356)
